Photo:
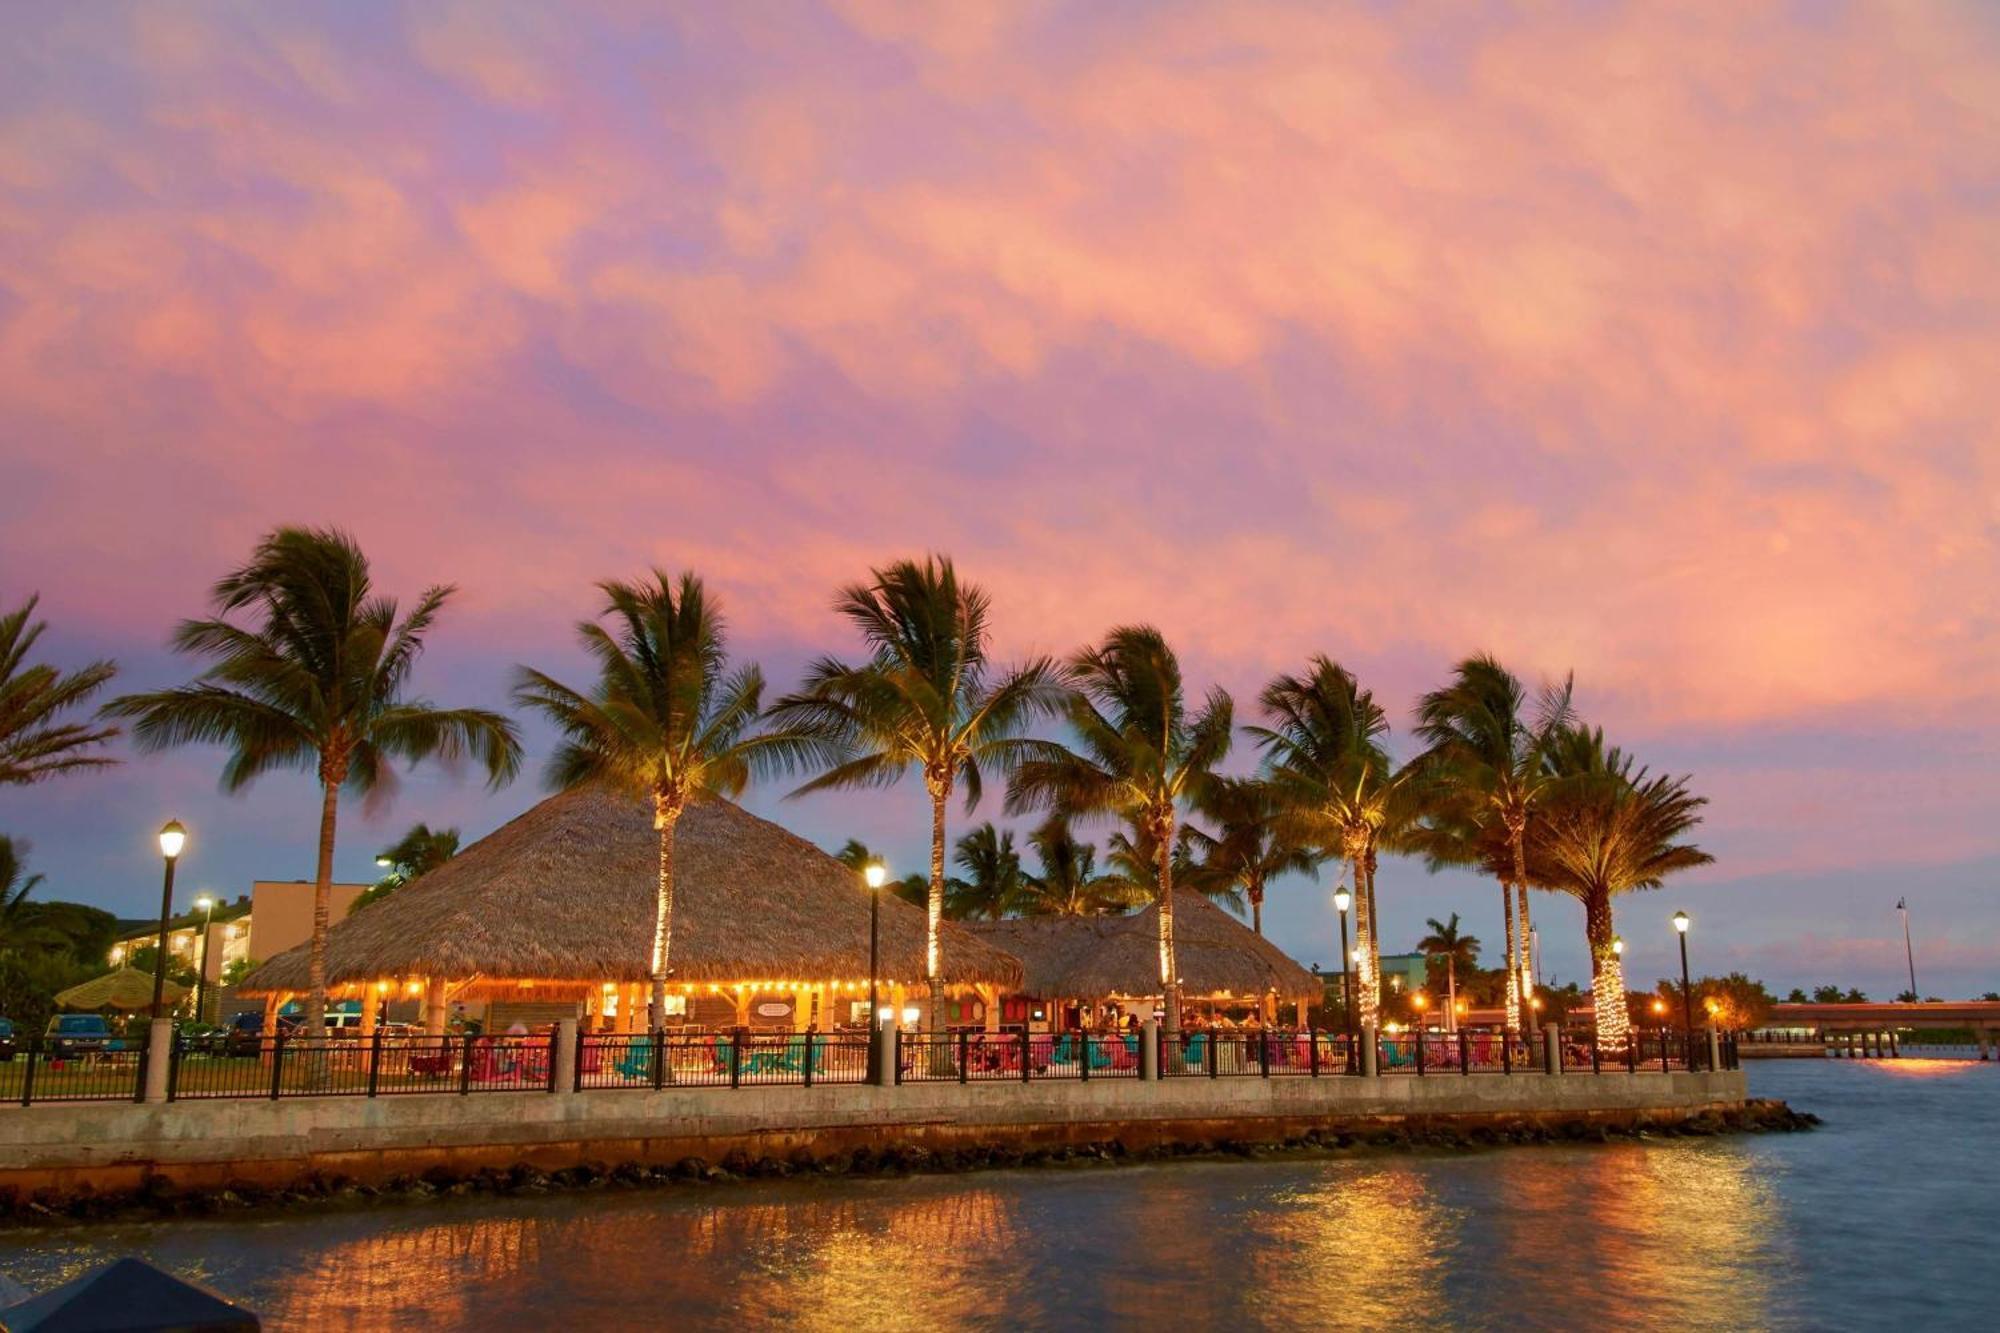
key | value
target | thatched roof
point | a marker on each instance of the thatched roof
(127, 988)
(566, 893)
(1093, 956)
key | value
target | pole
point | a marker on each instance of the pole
(1347, 988)
(874, 949)
(1687, 989)
(160, 960)
(201, 977)
(1909, 954)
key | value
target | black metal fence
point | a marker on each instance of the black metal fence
(74, 1071)
(727, 1059)
(1017, 1056)
(396, 1065)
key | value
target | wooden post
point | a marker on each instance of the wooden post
(434, 1009)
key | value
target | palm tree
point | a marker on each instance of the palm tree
(1066, 882)
(1447, 942)
(15, 886)
(1327, 769)
(666, 721)
(994, 881)
(927, 698)
(317, 682)
(417, 852)
(33, 744)
(1255, 841)
(1485, 759)
(1140, 754)
(1133, 862)
(1607, 828)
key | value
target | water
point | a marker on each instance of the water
(1884, 1218)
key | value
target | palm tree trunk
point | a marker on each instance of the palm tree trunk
(1451, 993)
(665, 817)
(1513, 975)
(1607, 974)
(1367, 975)
(934, 911)
(1170, 967)
(1256, 892)
(1527, 938)
(329, 811)
(1517, 839)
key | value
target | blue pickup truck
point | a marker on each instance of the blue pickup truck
(71, 1035)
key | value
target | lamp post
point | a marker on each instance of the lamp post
(1342, 900)
(207, 906)
(1681, 923)
(1909, 954)
(875, 874)
(173, 837)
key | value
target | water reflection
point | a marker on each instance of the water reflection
(1782, 1231)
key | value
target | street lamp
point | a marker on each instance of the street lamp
(1342, 900)
(207, 906)
(1681, 924)
(1419, 1002)
(173, 837)
(875, 875)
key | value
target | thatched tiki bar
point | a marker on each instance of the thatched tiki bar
(1079, 969)
(551, 917)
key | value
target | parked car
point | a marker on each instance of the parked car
(71, 1035)
(6, 1038)
(244, 1033)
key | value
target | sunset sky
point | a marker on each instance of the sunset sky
(1658, 344)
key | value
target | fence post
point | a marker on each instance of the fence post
(159, 1057)
(1312, 1045)
(1596, 1055)
(176, 1048)
(1506, 1050)
(1666, 1044)
(1418, 1038)
(563, 1055)
(660, 1058)
(1027, 1056)
(811, 1032)
(1214, 1056)
(1083, 1058)
(374, 1060)
(1371, 1052)
(1714, 1049)
(1149, 1051)
(1552, 1048)
(964, 1052)
(277, 1064)
(465, 1065)
(28, 1076)
(1464, 1055)
(735, 1060)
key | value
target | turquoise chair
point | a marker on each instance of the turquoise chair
(638, 1061)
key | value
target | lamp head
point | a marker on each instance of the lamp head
(384, 862)
(1681, 922)
(1617, 944)
(173, 837)
(876, 874)
(1342, 900)
(203, 903)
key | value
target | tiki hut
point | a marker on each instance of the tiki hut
(1076, 967)
(551, 915)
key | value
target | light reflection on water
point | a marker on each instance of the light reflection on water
(1879, 1219)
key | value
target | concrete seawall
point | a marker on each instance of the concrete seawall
(116, 1147)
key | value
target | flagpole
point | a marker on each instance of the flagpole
(1909, 954)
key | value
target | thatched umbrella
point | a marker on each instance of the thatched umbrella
(1095, 957)
(127, 988)
(565, 893)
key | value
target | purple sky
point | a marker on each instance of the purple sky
(1658, 346)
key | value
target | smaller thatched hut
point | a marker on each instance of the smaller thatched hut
(1077, 966)
(551, 915)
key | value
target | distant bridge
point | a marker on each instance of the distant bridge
(1873, 1029)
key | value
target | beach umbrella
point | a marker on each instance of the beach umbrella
(128, 1296)
(127, 988)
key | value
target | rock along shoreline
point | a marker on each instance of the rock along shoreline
(159, 1197)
